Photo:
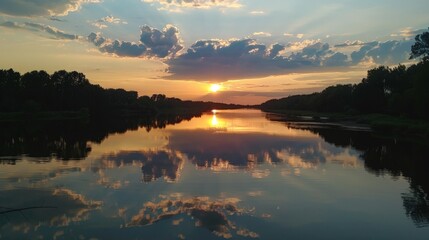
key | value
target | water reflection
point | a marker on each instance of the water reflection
(389, 157)
(154, 164)
(35, 208)
(267, 153)
(70, 140)
(210, 214)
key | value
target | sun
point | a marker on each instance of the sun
(215, 88)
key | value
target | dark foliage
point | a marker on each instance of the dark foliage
(421, 47)
(71, 91)
(397, 91)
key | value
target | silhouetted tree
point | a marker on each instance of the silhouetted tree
(421, 47)
(71, 91)
(10, 90)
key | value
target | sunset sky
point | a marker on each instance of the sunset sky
(254, 49)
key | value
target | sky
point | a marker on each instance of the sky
(254, 50)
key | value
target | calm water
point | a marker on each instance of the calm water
(230, 174)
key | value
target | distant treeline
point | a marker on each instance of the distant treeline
(397, 91)
(71, 91)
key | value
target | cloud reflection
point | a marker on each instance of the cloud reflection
(209, 214)
(164, 164)
(65, 207)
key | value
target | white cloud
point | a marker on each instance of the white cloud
(103, 22)
(408, 33)
(177, 5)
(291, 35)
(257, 12)
(262, 34)
(298, 46)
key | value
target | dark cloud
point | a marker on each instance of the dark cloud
(56, 19)
(338, 59)
(161, 43)
(316, 50)
(350, 44)
(36, 27)
(217, 59)
(390, 52)
(220, 60)
(155, 164)
(152, 43)
(275, 50)
(31, 8)
(235, 59)
(119, 48)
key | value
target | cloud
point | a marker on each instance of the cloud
(153, 43)
(154, 164)
(177, 5)
(36, 27)
(117, 47)
(212, 215)
(70, 207)
(56, 19)
(102, 22)
(298, 46)
(337, 59)
(350, 44)
(31, 8)
(262, 34)
(257, 12)
(237, 59)
(408, 33)
(390, 52)
(221, 60)
(299, 35)
(314, 51)
(161, 43)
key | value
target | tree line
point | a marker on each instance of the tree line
(400, 91)
(71, 91)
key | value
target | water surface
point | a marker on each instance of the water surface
(227, 174)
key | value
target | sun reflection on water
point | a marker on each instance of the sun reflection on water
(216, 122)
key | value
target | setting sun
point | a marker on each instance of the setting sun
(215, 88)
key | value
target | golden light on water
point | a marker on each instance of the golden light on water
(214, 122)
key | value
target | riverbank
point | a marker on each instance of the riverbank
(381, 124)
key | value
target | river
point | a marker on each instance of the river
(235, 174)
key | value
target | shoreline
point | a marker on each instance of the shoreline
(392, 126)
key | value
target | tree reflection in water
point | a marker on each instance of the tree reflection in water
(391, 157)
(69, 140)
